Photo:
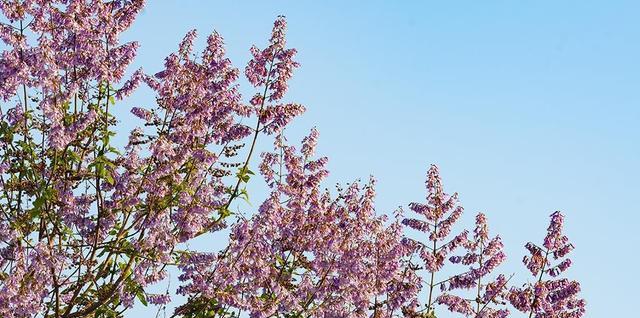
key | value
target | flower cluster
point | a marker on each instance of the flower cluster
(483, 255)
(272, 68)
(549, 297)
(195, 121)
(440, 213)
(307, 252)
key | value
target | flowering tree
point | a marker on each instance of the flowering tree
(86, 227)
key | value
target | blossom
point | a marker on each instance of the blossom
(483, 255)
(131, 84)
(272, 68)
(549, 297)
(343, 256)
(440, 212)
(456, 304)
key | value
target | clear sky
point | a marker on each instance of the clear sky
(526, 107)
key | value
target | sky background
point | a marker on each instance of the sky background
(527, 108)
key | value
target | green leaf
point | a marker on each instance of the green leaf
(142, 297)
(109, 178)
(73, 156)
(39, 202)
(224, 212)
(245, 195)
(244, 174)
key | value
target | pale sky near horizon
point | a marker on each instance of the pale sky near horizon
(527, 107)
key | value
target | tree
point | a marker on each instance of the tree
(87, 226)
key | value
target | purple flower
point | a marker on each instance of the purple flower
(549, 297)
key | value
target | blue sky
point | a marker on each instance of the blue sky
(526, 107)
